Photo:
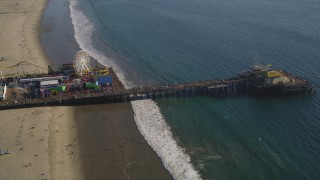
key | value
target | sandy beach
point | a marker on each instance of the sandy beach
(71, 143)
(20, 25)
(106, 142)
(23, 132)
(82, 142)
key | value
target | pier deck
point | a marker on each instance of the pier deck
(214, 88)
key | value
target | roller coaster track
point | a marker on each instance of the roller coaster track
(23, 62)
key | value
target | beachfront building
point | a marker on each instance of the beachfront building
(43, 85)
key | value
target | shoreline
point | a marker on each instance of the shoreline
(57, 142)
(113, 123)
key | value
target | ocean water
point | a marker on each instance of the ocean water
(154, 42)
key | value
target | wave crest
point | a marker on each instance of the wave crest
(155, 130)
(84, 31)
(148, 118)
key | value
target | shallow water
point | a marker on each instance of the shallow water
(157, 42)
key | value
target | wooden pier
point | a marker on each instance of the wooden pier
(214, 88)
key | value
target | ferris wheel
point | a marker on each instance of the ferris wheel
(81, 62)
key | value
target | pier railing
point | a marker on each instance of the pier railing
(215, 88)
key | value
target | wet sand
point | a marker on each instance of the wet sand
(83, 142)
(100, 142)
(76, 142)
(112, 147)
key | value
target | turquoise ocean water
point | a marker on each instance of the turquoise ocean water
(152, 42)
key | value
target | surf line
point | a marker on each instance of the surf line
(83, 33)
(157, 133)
(148, 117)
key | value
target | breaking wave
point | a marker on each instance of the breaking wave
(148, 117)
(84, 31)
(155, 130)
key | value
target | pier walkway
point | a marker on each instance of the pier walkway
(215, 88)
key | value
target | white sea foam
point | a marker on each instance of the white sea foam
(157, 133)
(148, 118)
(84, 30)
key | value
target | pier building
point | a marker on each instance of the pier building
(80, 83)
(81, 91)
